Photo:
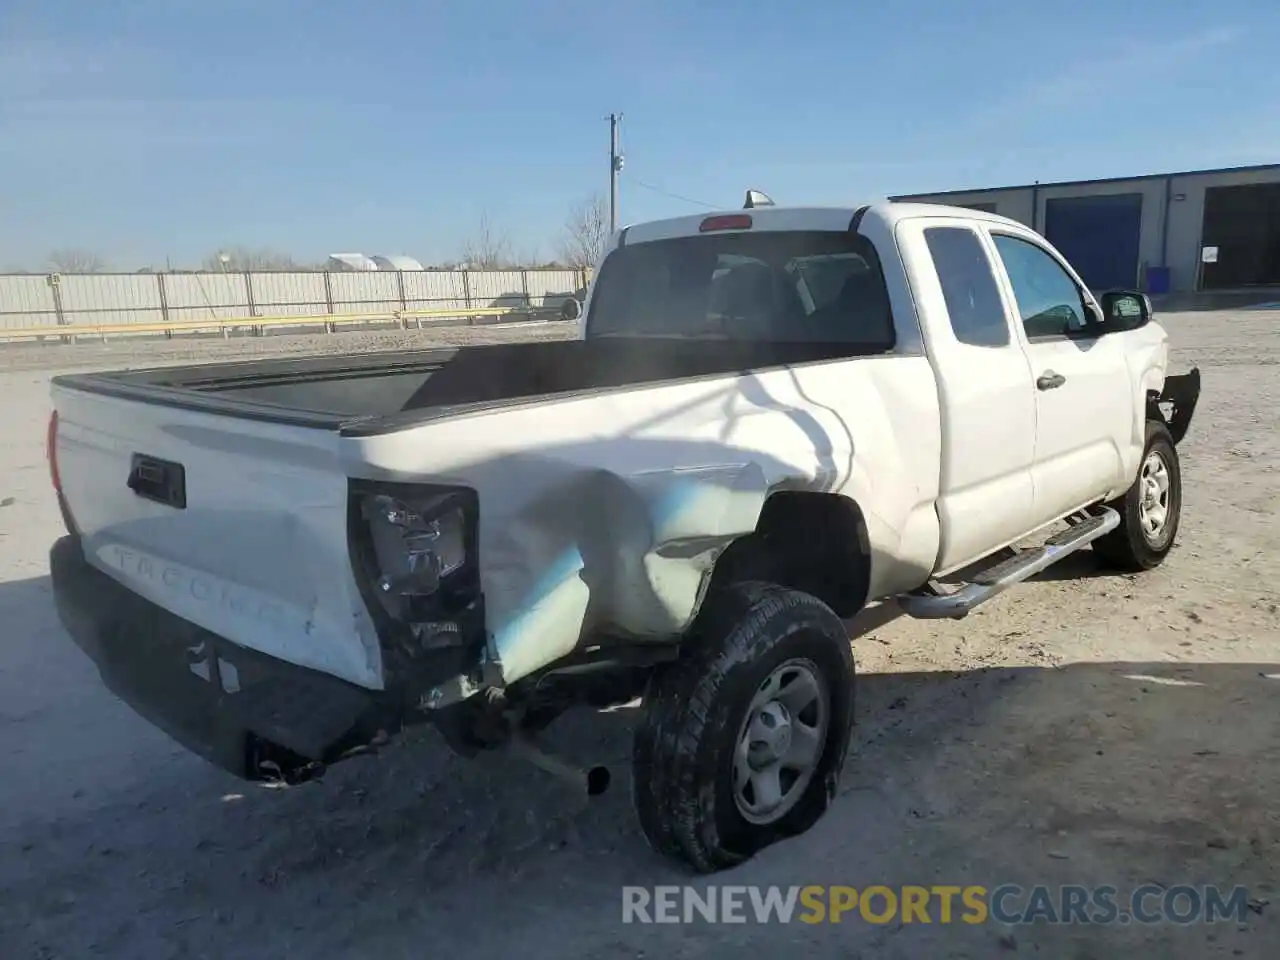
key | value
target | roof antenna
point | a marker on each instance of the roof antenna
(756, 198)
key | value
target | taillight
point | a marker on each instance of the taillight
(726, 221)
(417, 547)
(51, 453)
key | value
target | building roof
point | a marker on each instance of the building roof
(352, 261)
(397, 261)
(1257, 168)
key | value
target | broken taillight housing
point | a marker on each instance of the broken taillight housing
(419, 549)
(416, 547)
(415, 554)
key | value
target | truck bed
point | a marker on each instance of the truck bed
(362, 393)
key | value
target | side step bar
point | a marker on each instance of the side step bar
(932, 605)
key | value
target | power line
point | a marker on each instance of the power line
(675, 196)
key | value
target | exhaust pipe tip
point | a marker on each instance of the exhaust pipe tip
(598, 780)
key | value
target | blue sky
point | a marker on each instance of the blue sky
(146, 129)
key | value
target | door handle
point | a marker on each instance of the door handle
(1050, 380)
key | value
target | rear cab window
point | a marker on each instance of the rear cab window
(818, 287)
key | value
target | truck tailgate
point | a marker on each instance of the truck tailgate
(237, 525)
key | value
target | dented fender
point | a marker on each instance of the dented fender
(601, 516)
(620, 554)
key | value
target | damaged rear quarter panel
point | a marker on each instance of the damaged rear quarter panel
(604, 513)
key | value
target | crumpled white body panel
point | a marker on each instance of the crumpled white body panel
(609, 510)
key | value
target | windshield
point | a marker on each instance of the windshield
(781, 286)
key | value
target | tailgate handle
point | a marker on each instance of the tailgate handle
(160, 480)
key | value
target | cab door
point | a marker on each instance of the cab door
(1083, 398)
(985, 391)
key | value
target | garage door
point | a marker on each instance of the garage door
(1099, 236)
(1244, 224)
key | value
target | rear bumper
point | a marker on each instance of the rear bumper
(216, 698)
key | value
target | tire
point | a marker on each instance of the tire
(750, 641)
(1135, 545)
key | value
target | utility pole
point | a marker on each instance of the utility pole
(615, 168)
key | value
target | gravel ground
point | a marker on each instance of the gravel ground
(1084, 728)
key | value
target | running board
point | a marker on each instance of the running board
(1022, 565)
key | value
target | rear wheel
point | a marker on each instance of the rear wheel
(1150, 510)
(744, 738)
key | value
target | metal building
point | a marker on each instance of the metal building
(396, 261)
(1189, 231)
(345, 262)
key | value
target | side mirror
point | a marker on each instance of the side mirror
(571, 310)
(1125, 310)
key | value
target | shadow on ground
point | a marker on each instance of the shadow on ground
(1081, 565)
(1117, 773)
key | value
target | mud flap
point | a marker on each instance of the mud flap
(1183, 392)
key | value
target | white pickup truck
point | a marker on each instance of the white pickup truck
(773, 417)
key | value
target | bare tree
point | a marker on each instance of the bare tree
(585, 233)
(527, 258)
(76, 261)
(236, 259)
(488, 249)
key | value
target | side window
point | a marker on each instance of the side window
(968, 286)
(1048, 299)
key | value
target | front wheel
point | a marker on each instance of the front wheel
(1149, 511)
(745, 736)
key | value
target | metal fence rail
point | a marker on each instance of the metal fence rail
(105, 304)
(259, 325)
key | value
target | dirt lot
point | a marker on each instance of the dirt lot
(1085, 729)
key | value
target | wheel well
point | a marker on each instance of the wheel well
(814, 542)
